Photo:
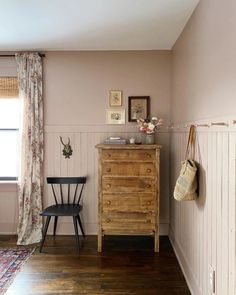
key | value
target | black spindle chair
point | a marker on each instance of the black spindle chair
(65, 206)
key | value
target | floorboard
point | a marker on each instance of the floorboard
(127, 266)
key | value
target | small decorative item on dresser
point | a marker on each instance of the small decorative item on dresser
(148, 128)
(150, 138)
(132, 140)
(115, 140)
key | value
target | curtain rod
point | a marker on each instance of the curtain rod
(12, 55)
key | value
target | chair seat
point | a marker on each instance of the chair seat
(62, 210)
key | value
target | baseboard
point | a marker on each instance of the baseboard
(66, 228)
(189, 276)
(91, 229)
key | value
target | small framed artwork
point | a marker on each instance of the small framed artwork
(115, 116)
(139, 107)
(115, 98)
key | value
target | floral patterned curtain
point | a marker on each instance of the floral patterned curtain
(29, 67)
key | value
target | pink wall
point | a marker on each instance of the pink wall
(204, 86)
(204, 64)
(76, 86)
(77, 83)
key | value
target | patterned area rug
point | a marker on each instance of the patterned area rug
(11, 261)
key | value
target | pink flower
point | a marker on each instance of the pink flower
(149, 127)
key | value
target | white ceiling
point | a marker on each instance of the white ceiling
(92, 24)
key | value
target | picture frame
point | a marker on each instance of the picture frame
(115, 98)
(115, 116)
(138, 107)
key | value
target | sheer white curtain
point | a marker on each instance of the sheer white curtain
(29, 68)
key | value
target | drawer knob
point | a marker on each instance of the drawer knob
(108, 202)
(148, 220)
(148, 185)
(108, 220)
(149, 170)
(108, 169)
(109, 155)
(148, 203)
(108, 186)
(148, 156)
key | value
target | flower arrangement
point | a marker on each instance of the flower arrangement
(149, 127)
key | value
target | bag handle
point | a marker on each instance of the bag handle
(191, 142)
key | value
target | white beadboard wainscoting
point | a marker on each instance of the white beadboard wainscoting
(84, 161)
(202, 232)
(8, 208)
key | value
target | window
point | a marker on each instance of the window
(9, 130)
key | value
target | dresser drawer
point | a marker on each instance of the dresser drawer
(128, 221)
(120, 185)
(142, 155)
(129, 169)
(128, 202)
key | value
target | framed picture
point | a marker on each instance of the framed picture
(139, 107)
(115, 116)
(115, 98)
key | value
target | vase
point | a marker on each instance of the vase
(142, 138)
(150, 138)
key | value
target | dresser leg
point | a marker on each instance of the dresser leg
(99, 242)
(156, 241)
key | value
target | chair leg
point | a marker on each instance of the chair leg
(44, 233)
(55, 225)
(80, 225)
(76, 232)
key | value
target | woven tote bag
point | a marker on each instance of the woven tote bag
(186, 184)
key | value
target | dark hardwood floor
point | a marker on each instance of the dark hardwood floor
(127, 265)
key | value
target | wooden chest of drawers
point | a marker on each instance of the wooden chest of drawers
(128, 191)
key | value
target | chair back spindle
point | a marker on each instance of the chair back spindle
(54, 194)
(61, 194)
(80, 193)
(76, 188)
(68, 196)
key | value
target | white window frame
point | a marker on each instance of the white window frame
(16, 177)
